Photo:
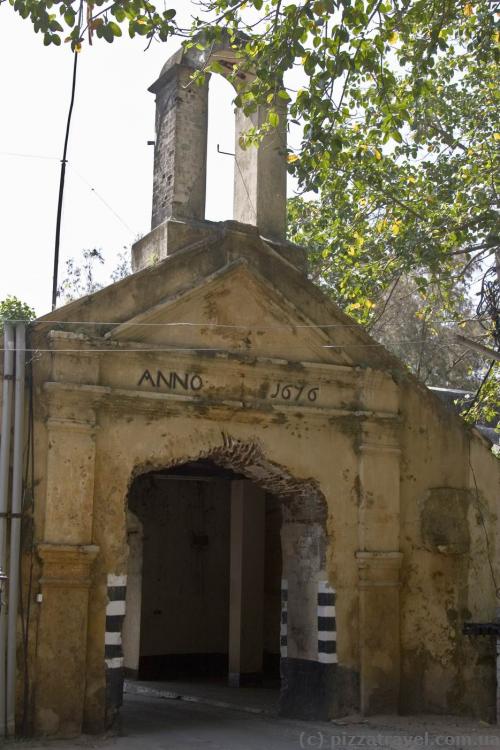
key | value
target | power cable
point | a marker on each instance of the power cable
(64, 161)
(99, 196)
(203, 324)
(28, 156)
(159, 350)
(81, 177)
(485, 530)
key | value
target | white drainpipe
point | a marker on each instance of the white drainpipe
(8, 375)
(15, 527)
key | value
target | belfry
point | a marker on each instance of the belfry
(234, 482)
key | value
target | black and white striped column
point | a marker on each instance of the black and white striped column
(115, 613)
(327, 624)
(284, 619)
(113, 651)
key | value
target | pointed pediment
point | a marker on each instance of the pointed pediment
(237, 310)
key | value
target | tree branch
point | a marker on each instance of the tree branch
(486, 350)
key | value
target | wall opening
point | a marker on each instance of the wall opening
(226, 585)
(220, 166)
(204, 578)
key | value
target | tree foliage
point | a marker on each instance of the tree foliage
(400, 141)
(12, 308)
(421, 334)
(82, 275)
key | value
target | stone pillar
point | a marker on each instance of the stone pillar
(260, 176)
(309, 661)
(66, 553)
(62, 638)
(246, 587)
(180, 159)
(131, 634)
(379, 562)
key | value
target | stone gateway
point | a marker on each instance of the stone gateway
(231, 478)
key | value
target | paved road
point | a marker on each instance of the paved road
(158, 724)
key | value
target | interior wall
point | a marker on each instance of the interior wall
(177, 615)
(185, 597)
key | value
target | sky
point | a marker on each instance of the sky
(107, 201)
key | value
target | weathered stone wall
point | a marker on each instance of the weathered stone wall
(361, 456)
(446, 571)
(179, 179)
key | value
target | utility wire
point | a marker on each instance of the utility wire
(28, 156)
(485, 530)
(160, 350)
(203, 324)
(110, 208)
(81, 177)
(63, 172)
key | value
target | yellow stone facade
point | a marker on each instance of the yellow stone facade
(273, 381)
(219, 352)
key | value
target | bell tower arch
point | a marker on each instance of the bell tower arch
(180, 161)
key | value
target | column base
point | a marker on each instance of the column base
(379, 585)
(314, 691)
(59, 695)
(244, 679)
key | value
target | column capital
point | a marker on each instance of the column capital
(67, 565)
(379, 568)
(65, 396)
(380, 436)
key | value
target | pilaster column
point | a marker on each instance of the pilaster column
(379, 631)
(70, 481)
(379, 562)
(66, 553)
(260, 176)
(62, 638)
(180, 160)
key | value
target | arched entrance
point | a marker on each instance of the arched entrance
(205, 548)
(226, 580)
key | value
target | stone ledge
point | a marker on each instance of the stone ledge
(174, 235)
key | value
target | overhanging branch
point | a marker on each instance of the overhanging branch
(489, 353)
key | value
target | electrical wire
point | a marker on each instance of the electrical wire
(62, 177)
(194, 349)
(28, 156)
(203, 324)
(81, 177)
(103, 200)
(483, 524)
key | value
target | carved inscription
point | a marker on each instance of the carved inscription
(294, 392)
(189, 381)
(186, 381)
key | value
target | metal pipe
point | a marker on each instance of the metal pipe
(15, 528)
(8, 377)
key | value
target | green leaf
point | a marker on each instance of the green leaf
(273, 119)
(114, 28)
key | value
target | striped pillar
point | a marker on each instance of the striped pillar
(113, 651)
(327, 624)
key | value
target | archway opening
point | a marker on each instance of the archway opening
(204, 593)
(220, 150)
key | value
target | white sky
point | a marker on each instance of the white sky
(113, 119)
